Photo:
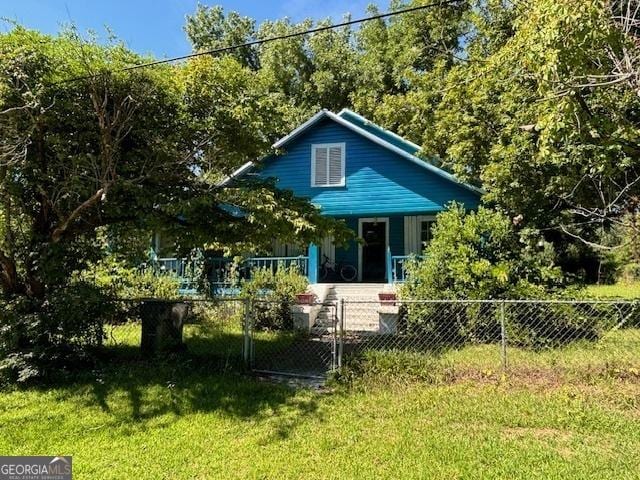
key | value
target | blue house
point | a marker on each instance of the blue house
(354, 170)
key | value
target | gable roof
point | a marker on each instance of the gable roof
(378, 131)
(378, 135)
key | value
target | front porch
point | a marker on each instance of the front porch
(378, 255)
(223, 275)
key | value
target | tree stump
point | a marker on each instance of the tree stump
(162, 325)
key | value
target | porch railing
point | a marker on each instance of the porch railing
(224, 274)
(274, 263)
(182, 268)
(399, 266)
(175, 266)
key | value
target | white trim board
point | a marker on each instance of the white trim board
(372, 220)
(238, 173)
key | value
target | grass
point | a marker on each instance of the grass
(160, 423)
(619, 290)
(191, 416)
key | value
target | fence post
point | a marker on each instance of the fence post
(341, 329)
(503, 336)
(246, 327)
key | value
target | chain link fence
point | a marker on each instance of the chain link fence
(466, 338)
(206, 328)
(483, 338)
(303, 342)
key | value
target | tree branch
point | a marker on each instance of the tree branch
(88, 203)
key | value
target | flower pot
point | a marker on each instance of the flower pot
(387, 298)
(305, 298)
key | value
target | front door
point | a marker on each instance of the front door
(373, 265)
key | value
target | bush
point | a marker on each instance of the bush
(43, 338)
(273, 294)
(550, 325)
(482, 255)
(622, 262)
(123, 281)
(630, 273)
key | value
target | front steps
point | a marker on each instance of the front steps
(361, 305)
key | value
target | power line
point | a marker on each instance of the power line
(441, 3)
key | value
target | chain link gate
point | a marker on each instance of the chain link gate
(306, 343)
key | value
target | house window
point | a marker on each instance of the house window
(417, 233)
(327, 165)
(425, 233)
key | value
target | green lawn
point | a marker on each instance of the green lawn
(211, 426)
(136, 418)
(619, 290)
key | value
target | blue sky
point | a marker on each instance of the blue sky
(155, 26)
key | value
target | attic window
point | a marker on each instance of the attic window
(327, 165)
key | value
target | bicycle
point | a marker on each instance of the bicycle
(335, 270)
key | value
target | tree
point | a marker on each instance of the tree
(86, 151)
(209, 28)
(146, 147)
(403, 62)
(543, 114)
(90, 149)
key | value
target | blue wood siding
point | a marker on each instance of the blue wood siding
(396, 234)
(349, 254)
(378, 181)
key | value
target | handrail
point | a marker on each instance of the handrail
(398, 266)
(221, 272)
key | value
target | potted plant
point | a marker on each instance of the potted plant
(305, 298)
(387, 298)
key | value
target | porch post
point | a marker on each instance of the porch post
(313, 263)
(389, 266)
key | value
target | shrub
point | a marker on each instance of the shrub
(630, 273)
(42, 338)
(622, 262)
(273, 294)
(123, 281)
(482, 255)
(392, 367)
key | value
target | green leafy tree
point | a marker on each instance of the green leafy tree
(482, 255)
(543, 114)
(116, 151)
(209, 28)
(403, 62)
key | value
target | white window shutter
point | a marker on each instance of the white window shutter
(321, 170)
(335, 166)
(327, 165)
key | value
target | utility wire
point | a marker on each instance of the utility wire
(441, 3)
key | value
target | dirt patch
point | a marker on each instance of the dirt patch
(539, 433)
(546, 378)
